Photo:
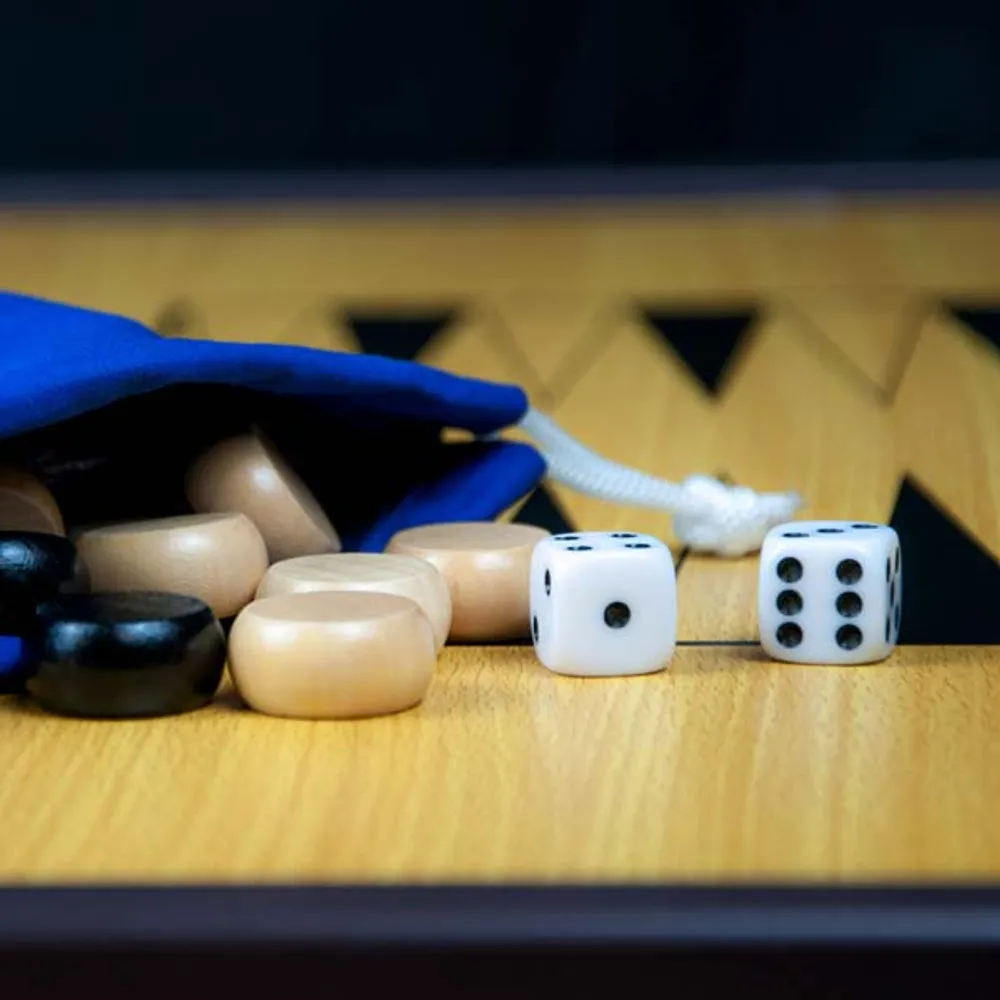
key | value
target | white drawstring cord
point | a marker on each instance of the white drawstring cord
(709, 516)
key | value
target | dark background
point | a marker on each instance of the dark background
(312, 85)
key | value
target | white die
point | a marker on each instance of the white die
(603, 603)
(830, 592)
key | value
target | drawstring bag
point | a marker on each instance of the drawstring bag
(109, 415)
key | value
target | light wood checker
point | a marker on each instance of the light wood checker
(729, 766)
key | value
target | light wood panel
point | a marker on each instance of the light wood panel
(474, 343)
(946, 420)
(726, 767)
(557, 332)
(122, 259)
(250, 317)
(789, 420)
(866, 329)
(633, 401)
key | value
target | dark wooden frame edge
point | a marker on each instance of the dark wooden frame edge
(506, 916)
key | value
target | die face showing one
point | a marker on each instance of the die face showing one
(830, 592)
(604, 604)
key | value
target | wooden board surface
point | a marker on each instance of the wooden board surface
(856, 362)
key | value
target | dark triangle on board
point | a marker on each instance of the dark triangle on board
(707, 341)
(982, 320)
(950, 582)
(397, 335)
(543, 511)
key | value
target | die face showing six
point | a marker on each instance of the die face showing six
(830, 592)
(603, 604)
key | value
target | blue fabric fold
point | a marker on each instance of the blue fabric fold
(62, 362)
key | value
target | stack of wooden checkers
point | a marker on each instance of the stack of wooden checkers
(138, 619)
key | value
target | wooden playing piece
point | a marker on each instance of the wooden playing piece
(247, 474)
(383, 573)
(219, 558)
(332, 654)
(487, 566)
(127, 655)
(34, 566)
(26, 504)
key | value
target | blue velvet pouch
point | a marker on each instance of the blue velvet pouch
(109, 415)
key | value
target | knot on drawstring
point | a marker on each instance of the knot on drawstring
(709, 515)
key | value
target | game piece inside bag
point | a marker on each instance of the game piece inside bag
(110, 416)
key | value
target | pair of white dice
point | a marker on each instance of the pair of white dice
(605, 603)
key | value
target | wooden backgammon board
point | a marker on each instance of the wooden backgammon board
(849, 350)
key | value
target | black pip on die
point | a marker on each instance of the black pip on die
(830, 592)
(603, 604)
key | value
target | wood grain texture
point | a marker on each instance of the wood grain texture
(727, 766)
(946, 423)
